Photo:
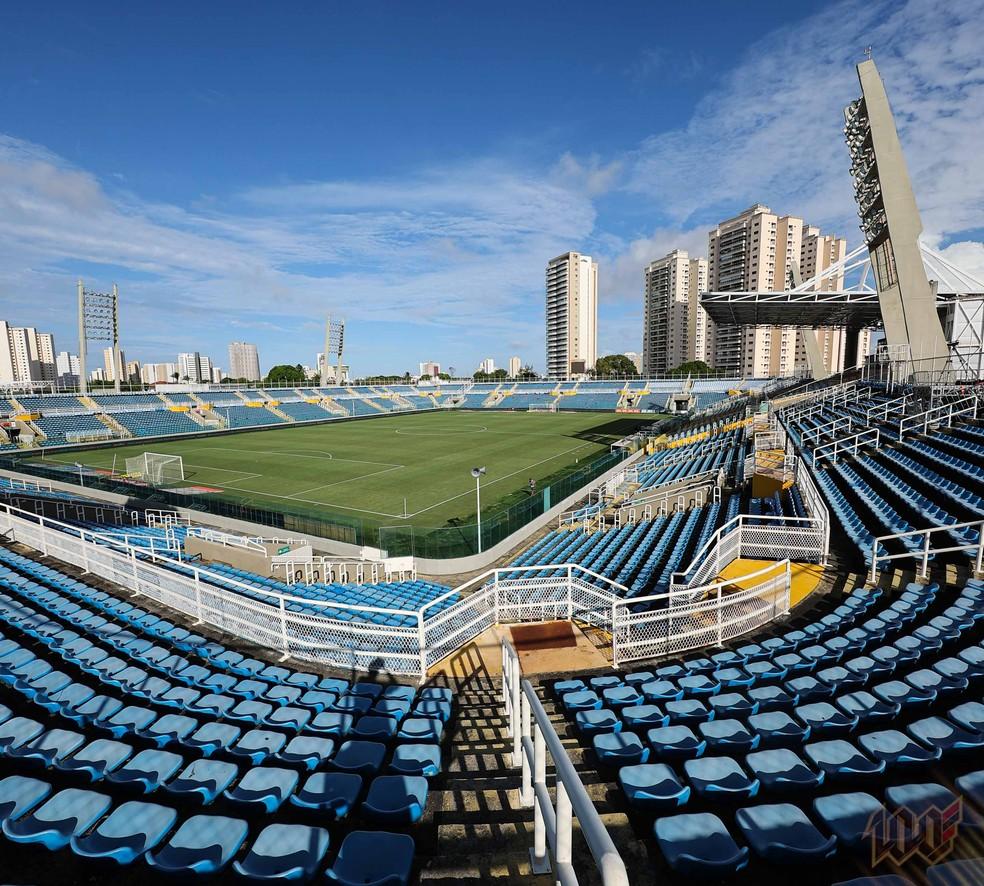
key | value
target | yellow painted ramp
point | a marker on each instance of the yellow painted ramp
(805, 577)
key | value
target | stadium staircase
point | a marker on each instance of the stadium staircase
(368, 400)
(89, 403)
(271, 406)
(198, 399)
(113, 424)
(494, 398)
(333, 406)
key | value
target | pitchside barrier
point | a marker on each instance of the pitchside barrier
(498, 596)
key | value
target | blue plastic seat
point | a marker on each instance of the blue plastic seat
(266, 787)
(619, 697)
(353, 704)
(719, 776)
(50, 747)
(18, 731)
(373, 858)
(604, 681)
(660, 691)
(969, 715)
(963, 872)
(289, 717)
(732, 704)
(203, 844)
(308, 751)
(436, 693)
(562, 687)
(257, 745)
(675, 743)
(781, 833)
(420, 729)
(392, 707)
(918, 799)
(250, 711)
(620, 748)
(429, 707)
(848, 816)
(772, 698)
(824, 719)
(595, 722)
(204, 779)
(778, 729)
(146, 770)
(653, 786)
(19, 795)
(331, 793)
(332, 723)
(866, 707)
(126, 721)
(169, 729)
(728, 736)
(699, 845)
(698, 685)
(398, 692)
(585, 700)
(212, 737)
(371, 728)
(896, 749)
(643, 717)
(58, 819)
(782, 770)
(284, 852)
(212, 705)
(416, 759)
(766, 671)
(396, 799)
(935, 732)
(638, 678)
(687, 711)
(127, 832)
(839, 759)
(362, 757)
(809, 689)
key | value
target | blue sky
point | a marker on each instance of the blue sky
(242, 169)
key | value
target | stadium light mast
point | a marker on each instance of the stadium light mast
(334, 347)
(477, 474)
(99, 320)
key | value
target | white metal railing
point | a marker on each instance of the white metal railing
(841, 423)
(926, 550)
(328, 570)
(881, 411)
(698, 489)
(814, 502)
(851, 444)
(534, 740)
(937, 415)
(227, 539)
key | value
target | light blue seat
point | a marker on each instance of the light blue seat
(398, 692)
(839, 759)
(250, 711)
(146, 770)
(126, 721)
(620, 748)
(169, 729)
(969, 715)
(392, 707)
(661, 691)
(896, 749)
(918, 799)
(362, 757)
(699, 845)
(931, 680)
(333, 723)
(204, 779)
(257, 745)
(935, 732)
(809, 689)
(429, 707)
(330, 793)
(373, 858)
(18, 731)
(212, 705)
(284, 852)
(309, 751)
(778, 729)
(562, 687)
(19, 795)
(688, 711)
(586, 700)
(732, 704)
(619, 697)
(728, 736)
(396, 799)
(675, 743)
(212, 737)
(643, 717)
(866, 707)
(416, 759)
(653, 786)
(58, 819)
(772, 698)
(50, 747)
(782, 770)
(594, 722)
(824, 719)
(847, 817)
(716, 776)
(605, 681)
(127, 832)
(266, 787)
(97, 758)
(782, 833)
(436, 693)
(203, 844)
(288, 717)
(420, 729)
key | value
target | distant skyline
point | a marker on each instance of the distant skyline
(242, 170)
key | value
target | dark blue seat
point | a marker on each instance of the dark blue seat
(935, 732)
(719, 776)
(204, 779)
(687, 711)
(371, 728)
(284, 852)
(127, 832)
(970, 786)
(58, 819)
(203, 844)
(362, 757)
(782, 770)
(373, 858)
(824, 719)
(392, 707)
(266, 787)
(332, 793)
(416, 759)
(396, 799)
(699, 845)
(783, 834)
(368, 690)
(963, 872)
(809, 689)
(896, 749)
(866, 707)
(839, 759)
(438, 710)
(19, 795)
(728, 736)
(772, 698)
(675, 743)
(969, 715)
(620, 748)
(778, 729)
(353, 704)
(146, 770)
(732, 704)
(308, 751)
(918, 799)
(848, 816)
(652, 786)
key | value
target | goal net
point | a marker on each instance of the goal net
(543, 407)
(156, 469)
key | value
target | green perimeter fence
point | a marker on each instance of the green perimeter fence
(439, 542)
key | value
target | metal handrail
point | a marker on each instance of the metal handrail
(928, 552)
(851, 443)
(533, 737)
(938, 414)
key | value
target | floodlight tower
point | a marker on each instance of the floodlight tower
(99, 320)
(334, 347)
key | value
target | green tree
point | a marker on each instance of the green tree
(286, 374)
(617, 365)
(528, 373)
(694, 367)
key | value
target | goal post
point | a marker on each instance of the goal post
(542, 407)
(155, 468)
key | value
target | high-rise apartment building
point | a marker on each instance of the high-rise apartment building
(672, 312)
(760, 251)
(194, 368)
(428, 369)
(67, 369)
(244, 361)
(487, 366)
(515, 365)
(26, 355)
(158, 373)
(109, 374)
(571, 315)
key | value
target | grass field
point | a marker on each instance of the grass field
(411, 469)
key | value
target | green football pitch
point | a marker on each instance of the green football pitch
(406, 469)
